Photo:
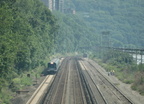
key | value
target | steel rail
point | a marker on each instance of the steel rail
(100, 93)
(87, 90)
(129, 100)
(79, 78)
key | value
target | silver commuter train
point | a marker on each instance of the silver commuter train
(53, 66)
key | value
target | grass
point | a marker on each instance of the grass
(5, 96)
(19, 83)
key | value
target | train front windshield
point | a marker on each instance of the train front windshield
(51, 65)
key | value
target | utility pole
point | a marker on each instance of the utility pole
(105, 41)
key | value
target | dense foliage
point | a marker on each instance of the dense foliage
(73, 35)
(122, 19)
(27, 32)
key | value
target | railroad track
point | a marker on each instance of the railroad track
(55, 92)
(121, 98)
(39, 93)
(66, 87)
(95, 95)
(77, 82)
(79, 92)
(118, 93)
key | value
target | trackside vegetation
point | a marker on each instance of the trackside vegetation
(27, 33)
(125, 68)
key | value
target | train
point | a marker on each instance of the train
(85, 55)
(53, 66)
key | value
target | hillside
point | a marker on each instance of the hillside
(27, 34)
(123, 20)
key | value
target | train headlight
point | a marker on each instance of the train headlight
(51, 62)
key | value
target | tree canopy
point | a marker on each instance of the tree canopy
(27, 34)
(122, 19)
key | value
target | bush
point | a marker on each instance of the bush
(128, 81)
(141, 89)
(5, 96)
(134, 87)
(26, 81)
